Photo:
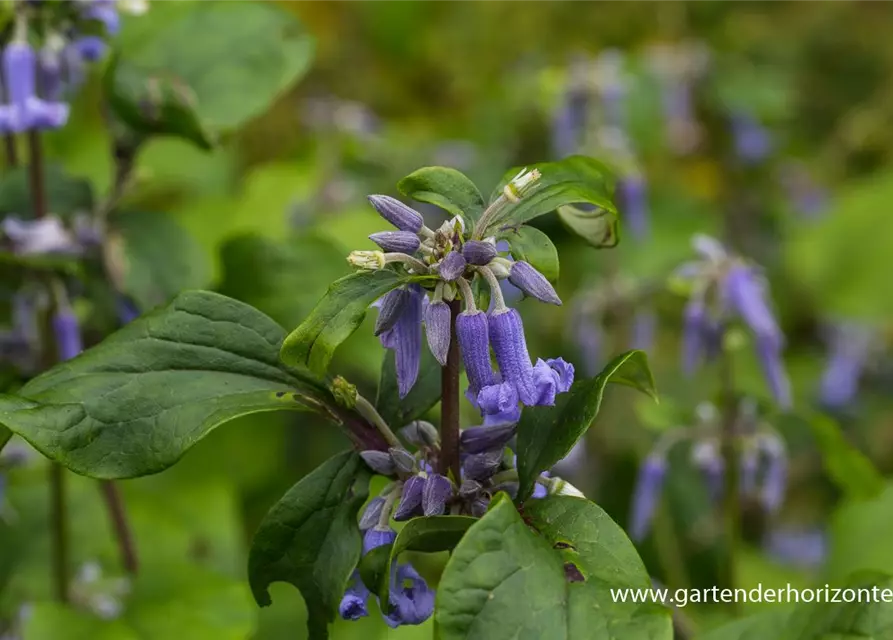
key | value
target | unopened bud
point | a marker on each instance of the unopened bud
(379, 462)
(403, 460)
(371, 260)
(345, 393)
(421, 434)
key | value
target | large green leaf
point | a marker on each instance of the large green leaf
(447, 188)
(549, 575)
(311, 539)
(424, 394)
(547, 434)
(336, 317)
(227, 61)
(283, 278)
(160, 258)
(134, 404)
(829, 617)
(574, 180)
(533, 246)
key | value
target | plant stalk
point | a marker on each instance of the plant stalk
(118, 514)
(36, 177)
(449, 404)
(731, 505)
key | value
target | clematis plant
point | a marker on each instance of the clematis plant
(515, 532)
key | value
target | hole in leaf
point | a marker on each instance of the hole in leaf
(564, 545)
(572, 574)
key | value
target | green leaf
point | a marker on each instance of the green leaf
(214, 67)
(160, 258)
(547, 434)
(859, 534)
(574, 180)
(427, 535)
(135, 403)
(311, 540)
(532, 245)
(157, 105)
(822, 619)
(848, 467)
(65, 194)
(283, 278)
(336, 317)
(446, 188)
(598, 227)
(550, 577)
(423, 395)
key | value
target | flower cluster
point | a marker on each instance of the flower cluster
(417, 490)
(724, 287)
(450, 259)
(36, 82)
(762, 459)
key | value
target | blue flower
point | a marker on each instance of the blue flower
(499, 404)
(752, 140)
(412, 601)
(378, 536)
(648, 489)
(25, 110)
(850, 348)
(633, 195)
(405, 338)
(68, 335)
(353, 603)
(474, 343)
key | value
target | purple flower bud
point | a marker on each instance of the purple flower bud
(479, 506)
(410, 499)
(532, 282)
(403, 460)
(405, 338)
(398, 214)
(452, 266)
(25, 110)
(569, 125)
(752, 141)
(420, 434)
(378, 536)
(806, 548)
(589, 338)
(499, 404)
(480, 439)
(398, 241)
(510, 348)
(482, 466)
(474, 342)
(850, 349)
(437, 329)
(378, 461)
(648, 489)
(693, 334)
(372, 513)
(775, 480)
(91, 48)
(435, 494)
(708, 460)
(478, 252)
(469, 488)
(393, 303)
(769, 354)
(68, 335)
(353, 604)
(412, 601)
(634, 200)
(106, 14)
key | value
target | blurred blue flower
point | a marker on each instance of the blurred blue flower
(752, 141)
(850, 348)
(649, 485)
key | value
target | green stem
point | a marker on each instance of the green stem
(731, 506)
(448, 463)
(365, 409)
(117, 513)
(36, 176)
